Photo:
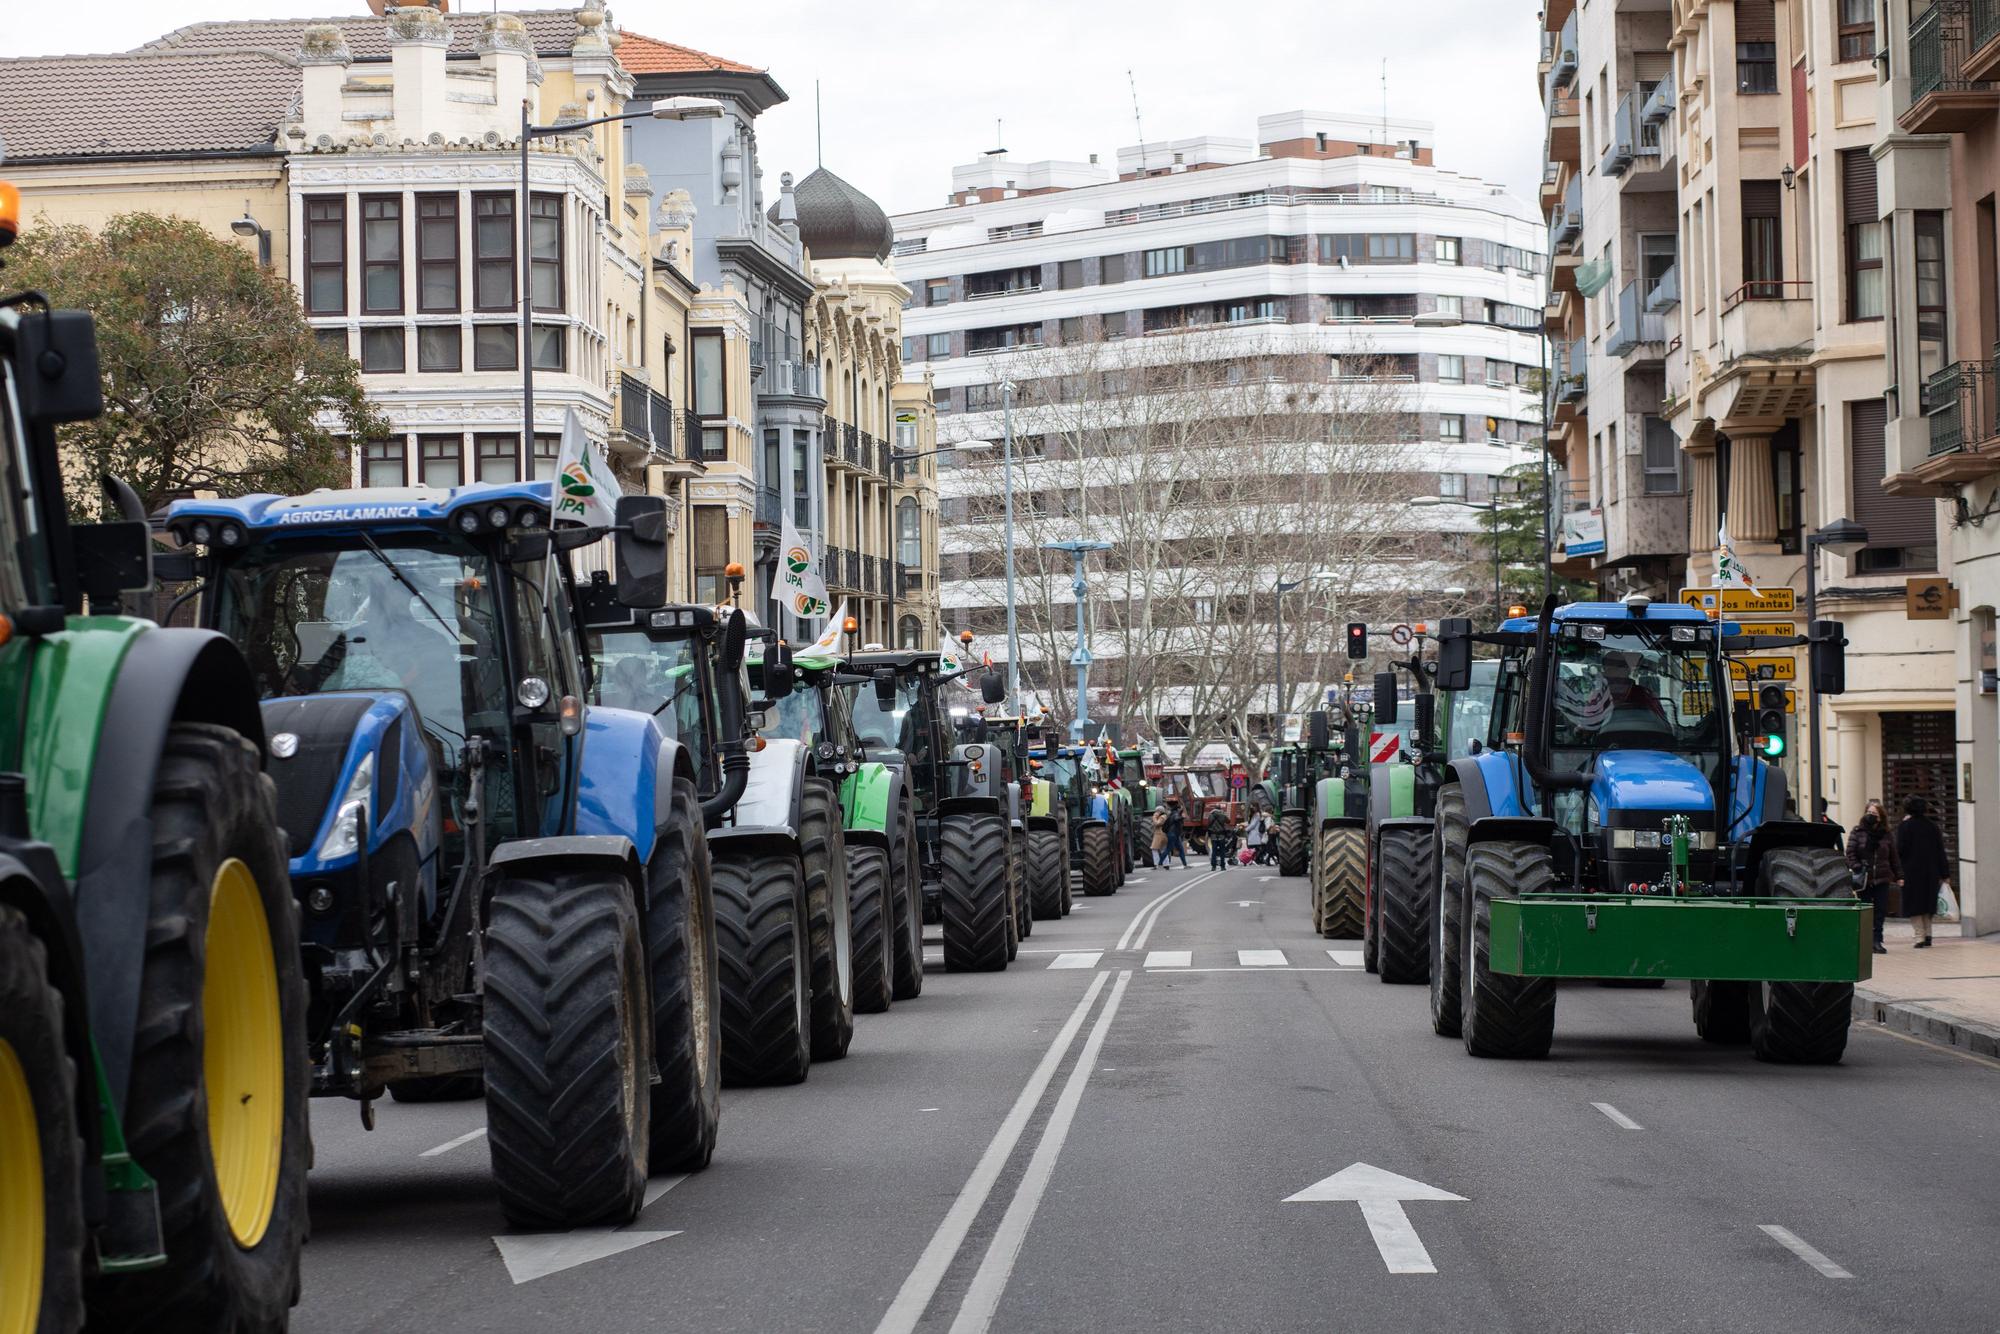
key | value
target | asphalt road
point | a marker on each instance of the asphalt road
(1106, 1135)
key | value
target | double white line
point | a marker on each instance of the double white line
(1143, 920)
(982, 1298)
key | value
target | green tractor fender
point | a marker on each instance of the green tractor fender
(868, 800)
(1392, 792)
(1045, 809)
(1330, 801)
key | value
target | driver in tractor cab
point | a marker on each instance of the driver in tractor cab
(394, 642)
(628, 685)
(1626, 692)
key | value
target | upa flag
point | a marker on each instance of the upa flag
(1729, 571)
(828, 644)
(586, 491)
(800, 586)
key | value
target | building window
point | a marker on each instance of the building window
(937, 292)
(1447, 250)
(1073, 328)
(381, 254)
(1069, 274)
(1453, 306)
(1857, 30)
(382, 350)
(909, 533)
(1864, 235)
(941, 400)
(1763, 250)
(1368, 248)
(710, 394)
(1785, 486)
(382, 463)
(909, 633)
(937, 347)
(711, 554)
(1111, 269)
(542, 458)
(497, 458)
(1160, 263)
(439, 347)
(493, 253)
(548, 347)
(438, 458)
(493, 347)
(1657, 253)
(1451, 485)
(326, 255)
(437, 252)
(545, 234)
(1451, 428)
(1662, 458)
(1756, 46)
(1933, 345)
(334, 340)
(909, 348)
(1451, 368)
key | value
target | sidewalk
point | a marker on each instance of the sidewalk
(1948, 994)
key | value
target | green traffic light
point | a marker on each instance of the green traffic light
(1774, 745)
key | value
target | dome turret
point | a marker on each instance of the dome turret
(838, 221)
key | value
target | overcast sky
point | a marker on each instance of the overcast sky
(910, 89)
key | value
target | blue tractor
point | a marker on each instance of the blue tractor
(498, 881)
(1616, 824)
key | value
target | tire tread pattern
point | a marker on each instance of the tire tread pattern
(1504, 1016)
(974, 893)
(868, 898)
(1802, 1023)
(1403, 874)
(761, 954)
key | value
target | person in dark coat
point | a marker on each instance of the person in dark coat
(1920, 849)
(1871, 852)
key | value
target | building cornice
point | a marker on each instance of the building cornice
(757, 259)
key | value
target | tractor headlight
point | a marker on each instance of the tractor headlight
(532, 692)
(528, 516)
(230, 535)
(202, 532)
(497, 516)
(344, 839)
(468, 521)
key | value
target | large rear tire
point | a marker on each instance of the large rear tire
(41, 1147)
(868, 900)
(1447, 911)
(764, 964)
(569, 1040)
(1502, 1015)
(1403, 875)
(686, 992)
(216, 1105)
(1802, 1023)
(1721, 1011)
(1343, 852)
(1098, 855)
(1024, 921)
(973, 897)
(829, 926)
(1293, 852)
(1048, 866)
(907, 892)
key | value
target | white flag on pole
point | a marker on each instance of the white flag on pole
(1729, 571)
(800, 587)
(828, 644)
(586, 490)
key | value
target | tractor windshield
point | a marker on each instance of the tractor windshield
(881, 725)
(1471, 711)
(1618, 688)
(799, 716)
(657, 676)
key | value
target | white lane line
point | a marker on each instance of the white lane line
(451, 1144)
(1618, 1118)
(1054, 949)
(1791, 1242)
(1080, 959)
(1240, 971)
(1262, 959)
(1345, 958)
(982, 1298)
(922, 1284)
(1143, 921)
(1169, 958)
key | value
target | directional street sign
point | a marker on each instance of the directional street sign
(1765, 627)
(1381, 1196)
(1733, 601)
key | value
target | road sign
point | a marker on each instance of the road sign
(1765, 627)
(1764, 669)
(1928, 599)
(1731, 601)
(1399, 635)
(1239, 779)
(1695, 702)
(1382, 747)
(1381, 1196)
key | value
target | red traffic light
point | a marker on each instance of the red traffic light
(1357, 639)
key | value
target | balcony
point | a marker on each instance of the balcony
(645, 421)
(1562, 58)
(1962, 409)
(1944, 97)
(1565, 131)
(1568, 225)
(1766, 317)
(1658, 107)
(1637, 327)
(1572, 383)
(792, 379)
(1982, 58)
(770, 509)
(1633, 143)
(1666, 293)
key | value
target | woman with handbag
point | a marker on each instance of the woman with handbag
(1920, 849)
(1871, 852)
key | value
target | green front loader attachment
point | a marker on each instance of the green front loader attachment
(1650, 936)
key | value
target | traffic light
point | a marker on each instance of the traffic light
(1357, 639)
(1770, 731)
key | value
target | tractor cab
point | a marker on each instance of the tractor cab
(807, 707)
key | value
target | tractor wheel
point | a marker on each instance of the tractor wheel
(1447, 911)
(1501, 1015)
(1802, 1023)
(1098, 855)
(1721, 1011)
(1402, 902)
(823, 848)
(1068, 900)
(763, 961)
(1370, 902)
(569, 1040)
(1018, 869)
(438, 1088)
(216, 1106)
(1048, 865)
(1343, 852)
(868, 902)
(906, 891)
(974, 897)
(1292, 850)
(687, 1006)
(41, 1146)
(1123, 838)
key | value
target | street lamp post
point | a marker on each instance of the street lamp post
(1842, 537)
(1080, 587)
(896, 566)
(1007, 499)
(670, 108)
(1284, 587)
(247, 226)
(1492, 508)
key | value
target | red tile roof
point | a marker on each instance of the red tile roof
(649, 55)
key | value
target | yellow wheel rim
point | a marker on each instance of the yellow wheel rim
(21, 1201)
(243, 1053)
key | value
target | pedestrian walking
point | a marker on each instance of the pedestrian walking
(1920, 850)
(1176, 832)
(1256, 835)
(1871, 851)
(1218, 838)
(1160, 837)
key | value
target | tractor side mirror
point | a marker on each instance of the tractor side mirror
(993, 687)
(735, 633)
(57, 357)
(642, 550)
(778, 677)
(885, 687)
(1319, 730)
(1454, 653)
(1829, 657)
(1385, 697)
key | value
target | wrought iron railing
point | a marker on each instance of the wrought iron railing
(1941, 38)
(1961, 402)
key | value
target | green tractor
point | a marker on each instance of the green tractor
(1135, 799)
(1091, 812)
(153, 1066)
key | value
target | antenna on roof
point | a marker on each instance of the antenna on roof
(999, 137)
(1137, 124)
(1385, 100)
(819, 127)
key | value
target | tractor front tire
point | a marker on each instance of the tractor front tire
(1802, 1023)
(1018, 870)
(1293, 852)
(1343, 858)
(1098, 855)
(687, 1004)
(906, 891)
(1402, 895)
(41, 1145)
(1501, 1015)
(1048, 867)
(216, 1105)
(1447, 912)
(764, 963)
(829, 926)
(569, 1040)
(1721, 1011)
(868, 901)
(974, 898)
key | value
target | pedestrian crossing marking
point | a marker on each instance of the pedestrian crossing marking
(1169, 958)
(1262, 958)
(1345, 958)
(1077, 959)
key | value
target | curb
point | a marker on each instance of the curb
(1921, 1021)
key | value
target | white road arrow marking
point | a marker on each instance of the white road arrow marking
(1345, 958)
(1381, 1196)
(1265, 879)
(533, 1255)
(1243, 903)
(451, 1144)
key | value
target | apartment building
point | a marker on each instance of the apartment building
(1937, 146)
(1326, 237)
(913, 465)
